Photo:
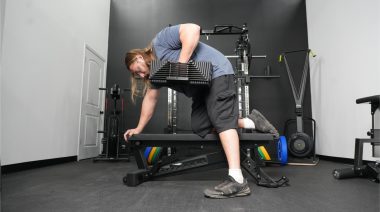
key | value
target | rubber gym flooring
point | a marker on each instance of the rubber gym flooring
(87, 186)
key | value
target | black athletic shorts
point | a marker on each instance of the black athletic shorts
(216, 108)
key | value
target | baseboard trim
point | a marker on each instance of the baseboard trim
(35, 164)
(340, 160)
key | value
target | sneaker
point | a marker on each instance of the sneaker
(228, 189)
(225, 182)
(262, 124)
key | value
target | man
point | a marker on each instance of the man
(213, 107)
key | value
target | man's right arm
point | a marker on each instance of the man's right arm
(148, 106)
(147, 110)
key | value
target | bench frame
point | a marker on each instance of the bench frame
(170, 164)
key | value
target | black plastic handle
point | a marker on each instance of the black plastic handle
(371, 99)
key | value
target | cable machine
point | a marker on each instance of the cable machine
(300, 144)
(243, 58)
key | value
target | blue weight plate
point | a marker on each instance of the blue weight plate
(282, 150)
(147, 151)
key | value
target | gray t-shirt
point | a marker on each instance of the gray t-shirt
(167, 46)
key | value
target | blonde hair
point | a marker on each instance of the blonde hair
(130, 57)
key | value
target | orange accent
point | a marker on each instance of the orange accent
(151, 155)
(265, 153)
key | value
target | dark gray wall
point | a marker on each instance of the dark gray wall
(274, 27)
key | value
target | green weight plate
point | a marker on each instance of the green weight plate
(260, 153)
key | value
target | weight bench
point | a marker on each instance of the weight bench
(371, 169)
(170, 164)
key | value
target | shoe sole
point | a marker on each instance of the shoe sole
(271, 129)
